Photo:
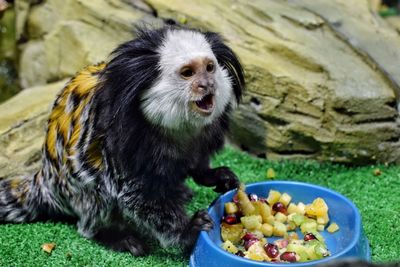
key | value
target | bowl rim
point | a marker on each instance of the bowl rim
(357, 230)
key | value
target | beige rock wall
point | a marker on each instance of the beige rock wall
(66, 35)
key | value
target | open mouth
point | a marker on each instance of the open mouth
(204, 106)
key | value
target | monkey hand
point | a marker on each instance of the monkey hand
(222, 178)
(226, 180)
(200, 221)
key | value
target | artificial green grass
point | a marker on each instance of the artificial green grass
(377, 198)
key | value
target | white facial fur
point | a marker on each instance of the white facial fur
(167, 102)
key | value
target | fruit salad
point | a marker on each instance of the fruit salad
(250, 220)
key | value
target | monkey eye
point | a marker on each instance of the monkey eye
(187, 72)
(210, 67)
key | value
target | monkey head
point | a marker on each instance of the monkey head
(176, 78)
(193, 88)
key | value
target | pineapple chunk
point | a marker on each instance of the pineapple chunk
(285, 199)
(231, 207)
(317, 208)
(323, 219)
(245, 204)
(267, 229)
(252, 222)
(301, 208)
(270, 174)
(232, 232)
(256, 252)
(262, 209)
(292, 208)
(332, 228)
(273, 197)
(270, 219)
(230, 247)
(320, 227)
(279, 229)
(280, 217)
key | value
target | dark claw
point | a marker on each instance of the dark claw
(201, 221)
(134, 246)
(227, 180)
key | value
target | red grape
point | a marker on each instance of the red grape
(230, 219)
(309, 236)
(271, 250)
(289, 256)
(279, 207)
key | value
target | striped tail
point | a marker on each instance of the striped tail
(20, 200)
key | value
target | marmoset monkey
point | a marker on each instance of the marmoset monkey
(122, 137)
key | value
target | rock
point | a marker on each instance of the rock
(394, 21)
(322, 76)
(22, 128)
(66, 35)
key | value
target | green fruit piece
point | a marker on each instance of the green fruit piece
(298, 219)
(321, 251)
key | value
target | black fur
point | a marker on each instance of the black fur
(152, 163)
(227, 58)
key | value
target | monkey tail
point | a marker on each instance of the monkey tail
(20, 200)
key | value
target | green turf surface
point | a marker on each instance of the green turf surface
(377, 198)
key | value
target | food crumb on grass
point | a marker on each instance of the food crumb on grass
(48, 247)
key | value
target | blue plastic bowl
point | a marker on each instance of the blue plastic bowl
(349, 241)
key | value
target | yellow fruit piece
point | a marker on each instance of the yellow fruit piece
(273, 197)
(332, 228)
(279, 229)
(231, 207)
(301, 208)
(256, 252)
(270, 173)
(244, 203)
(262, 209)
(323, 219)
(267, 229)
(280, 217)
(285, 199)
(252, 222)
(292, 208)
(317, 209)
(270, 219)
(230, 247)
(232, 232)
(48, 247)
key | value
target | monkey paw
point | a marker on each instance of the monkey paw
(134, 246)
(122, 241)
(227, 180)
(201, 221)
